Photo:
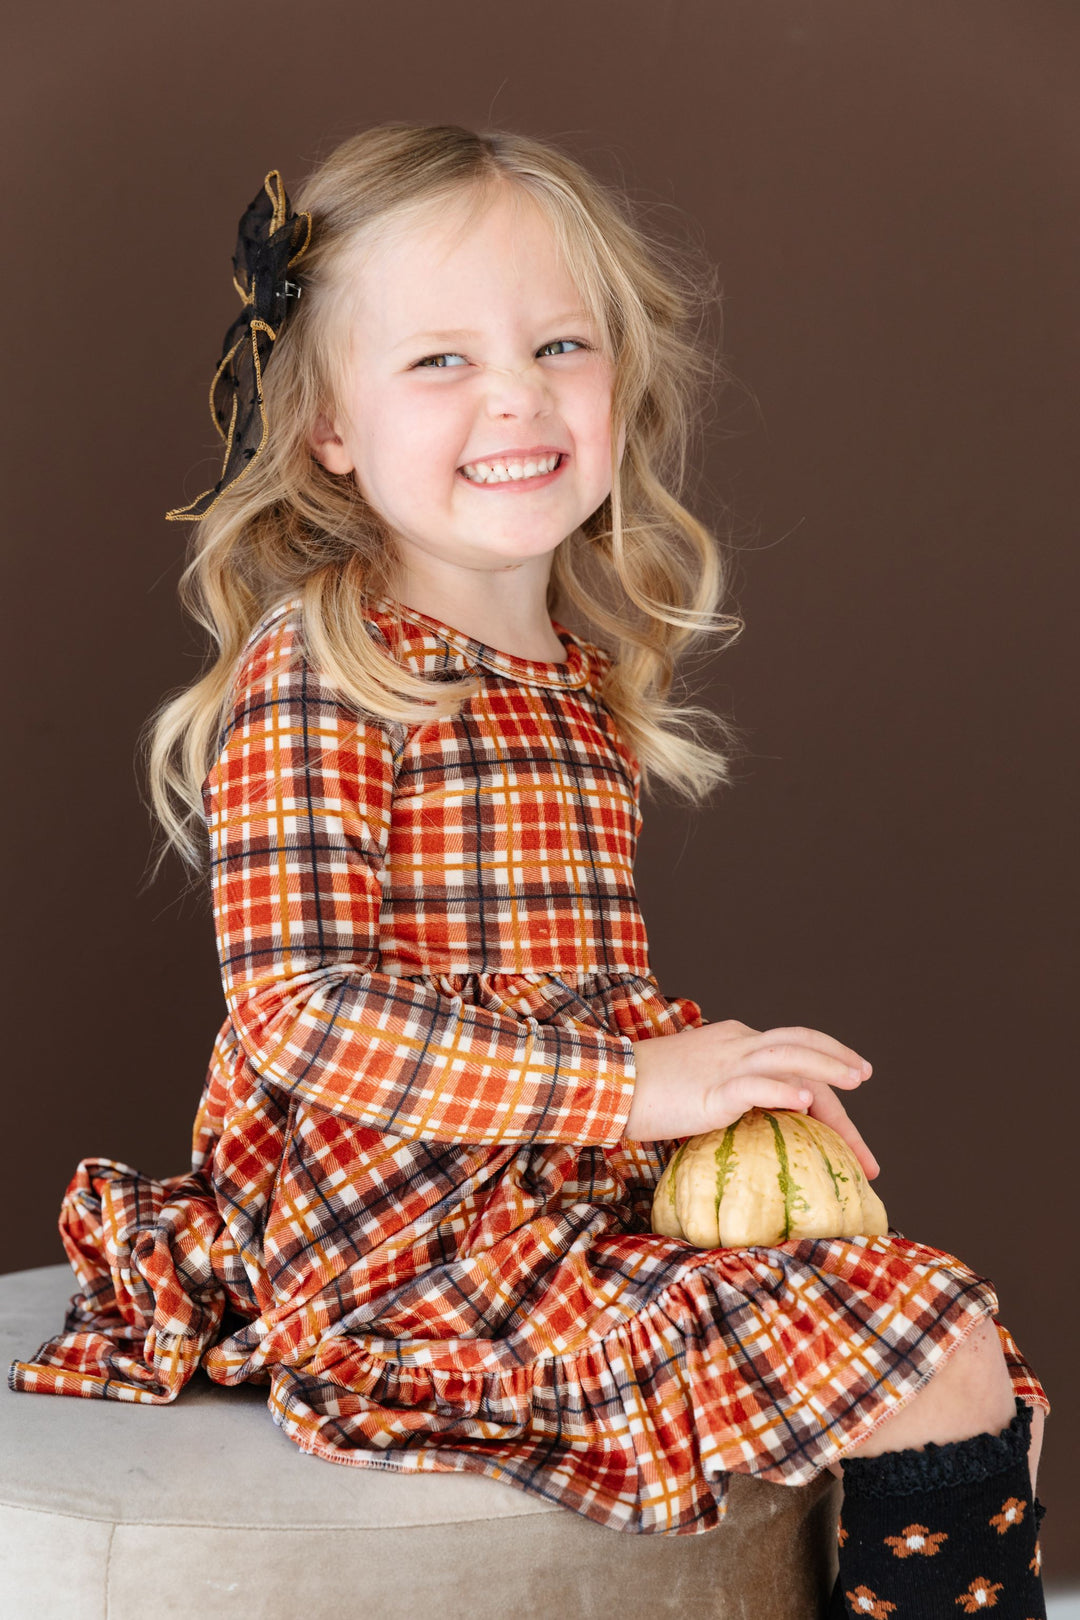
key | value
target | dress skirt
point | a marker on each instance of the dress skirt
(564, 1348)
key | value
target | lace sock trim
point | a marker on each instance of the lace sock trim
(957, 1462)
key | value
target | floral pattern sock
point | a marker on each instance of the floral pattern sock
(942, 1530)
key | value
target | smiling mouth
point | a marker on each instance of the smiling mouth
(528, 470)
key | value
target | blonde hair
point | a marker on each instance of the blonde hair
(643, 572)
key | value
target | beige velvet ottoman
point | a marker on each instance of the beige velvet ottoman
(110, 1511)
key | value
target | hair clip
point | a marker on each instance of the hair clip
(271, 239)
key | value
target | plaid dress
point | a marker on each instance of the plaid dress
(409, 1212)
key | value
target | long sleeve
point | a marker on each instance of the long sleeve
(298, 811)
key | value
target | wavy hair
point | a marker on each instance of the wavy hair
(644, 574)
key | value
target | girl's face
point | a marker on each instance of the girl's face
(475, 413)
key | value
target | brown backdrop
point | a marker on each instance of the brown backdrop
(890, 191)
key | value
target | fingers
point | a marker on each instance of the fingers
(831, 1111)
(817, 1040)
(800, 1055)
(797, 1035)
(731, 1098)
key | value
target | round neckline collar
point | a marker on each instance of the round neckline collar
(574, 671)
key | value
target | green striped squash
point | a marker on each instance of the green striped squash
(770, 1176)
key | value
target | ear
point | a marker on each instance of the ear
(328, 447)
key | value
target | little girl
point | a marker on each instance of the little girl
(455, 399)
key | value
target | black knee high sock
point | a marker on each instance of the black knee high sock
(942, 1531)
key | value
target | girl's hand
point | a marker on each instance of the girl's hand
(705, 1078)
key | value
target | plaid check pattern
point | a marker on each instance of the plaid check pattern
(409, 1211)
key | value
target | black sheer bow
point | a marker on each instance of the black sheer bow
(271, 239)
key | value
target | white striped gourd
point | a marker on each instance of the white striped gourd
(771, 1175)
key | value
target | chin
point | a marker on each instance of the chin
(516, 543)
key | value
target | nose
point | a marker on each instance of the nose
(520, 391)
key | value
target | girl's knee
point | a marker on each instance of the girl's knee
(970, 1393)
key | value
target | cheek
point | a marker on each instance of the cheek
(407, 454)
(426, 438)
(593, 431)
(593, 411)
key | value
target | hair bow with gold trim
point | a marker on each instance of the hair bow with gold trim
(271, 239)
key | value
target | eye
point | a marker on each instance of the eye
(437, 361)
(558, 341)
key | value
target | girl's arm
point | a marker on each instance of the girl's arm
(298, 813)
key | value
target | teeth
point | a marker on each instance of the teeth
(506, 472)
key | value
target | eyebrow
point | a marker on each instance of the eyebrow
(459, 333)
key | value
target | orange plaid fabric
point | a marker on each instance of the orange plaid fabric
(409, 1210)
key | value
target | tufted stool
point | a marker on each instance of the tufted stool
(110, 1511)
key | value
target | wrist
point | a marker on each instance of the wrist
(642, 1057)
